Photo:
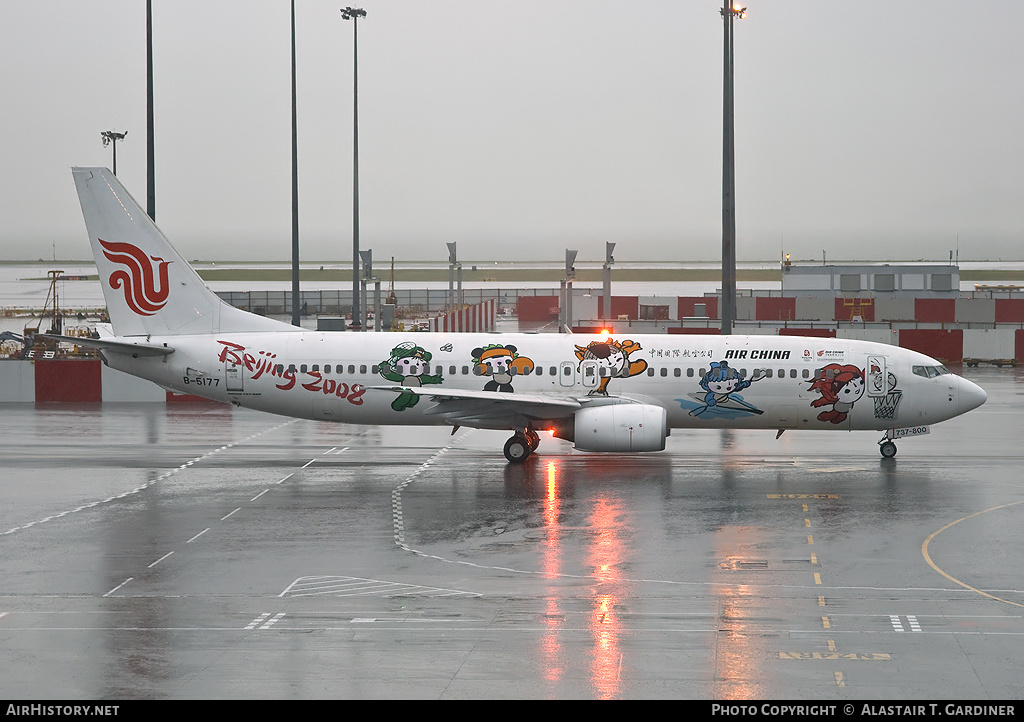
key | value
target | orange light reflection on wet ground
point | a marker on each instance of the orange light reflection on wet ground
(551, 647)
(605, 558)
(738, 650)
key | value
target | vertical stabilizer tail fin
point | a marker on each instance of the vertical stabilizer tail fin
(149, 288)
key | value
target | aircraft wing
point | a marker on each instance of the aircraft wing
(107, 344)
(489, 409)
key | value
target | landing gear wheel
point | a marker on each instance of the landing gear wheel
(533, 438)
(517, 449)
(888, 449)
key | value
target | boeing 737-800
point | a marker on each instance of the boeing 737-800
(610, 392)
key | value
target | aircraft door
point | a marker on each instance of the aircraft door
(589, 370)
(881, 388)
(876, 376)
(567, 374)
(233, 378)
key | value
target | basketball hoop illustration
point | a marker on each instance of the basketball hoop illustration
(885, 406)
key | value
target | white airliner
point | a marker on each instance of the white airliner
(617, 393)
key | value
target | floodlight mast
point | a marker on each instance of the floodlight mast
(150, 143)
(728, 309)
(353, 14)
(111, 137)
(296, 309)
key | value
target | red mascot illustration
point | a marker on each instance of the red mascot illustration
(840, 385)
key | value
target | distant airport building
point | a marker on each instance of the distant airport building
(911, 305)
(885, 280)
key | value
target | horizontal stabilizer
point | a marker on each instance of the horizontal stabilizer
(105, 344)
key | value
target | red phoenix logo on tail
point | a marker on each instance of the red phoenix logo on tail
(139, 281)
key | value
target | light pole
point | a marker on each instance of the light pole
(354, 14)
(606, 281)
(296, 317)
(728, 310)
(111, 137)
(150, 153)
(565, 317)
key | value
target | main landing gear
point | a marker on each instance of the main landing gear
(519, 447)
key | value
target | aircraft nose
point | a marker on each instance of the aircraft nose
(971, 395)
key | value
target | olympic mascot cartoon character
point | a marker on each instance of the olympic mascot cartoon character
(840, 385)
(501, 363)
(613, 359)
(720, 383)
(408, 365)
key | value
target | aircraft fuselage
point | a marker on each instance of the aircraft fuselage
(702, 381)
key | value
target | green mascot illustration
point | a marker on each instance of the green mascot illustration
(408, 365)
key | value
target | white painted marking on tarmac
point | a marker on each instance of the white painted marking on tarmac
(286, 478)
(259, 620)
(340, 586)
(897, 625)
(159, 560)
(148, 484)
(308, 463)
(914, 625)
(3, 614)
(396, 494)
(230, 513)
(118, 586)
(273, 621)
(259, 495)
(198, 535)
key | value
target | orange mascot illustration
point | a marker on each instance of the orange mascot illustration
(613, 358)
(501, 363)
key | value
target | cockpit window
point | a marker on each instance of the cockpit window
(930, 372)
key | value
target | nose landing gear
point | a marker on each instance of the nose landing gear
(519, 447)
(886, 447)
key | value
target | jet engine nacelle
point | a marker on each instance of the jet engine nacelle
(621, 427)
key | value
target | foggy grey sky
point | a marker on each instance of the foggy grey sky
(870, 129)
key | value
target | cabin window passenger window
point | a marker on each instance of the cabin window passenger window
(351, 368)
(362, 369)
(677, 372)
(553, 371)
(689, 373)
(567, 371)
(327, 368)
(465, 370)
(664, 371)
(440, 371)
(302, 368)
(650, 372)
(806, 373)
(375, 369)
(316, 368)
(451, 370)
(291, 367)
